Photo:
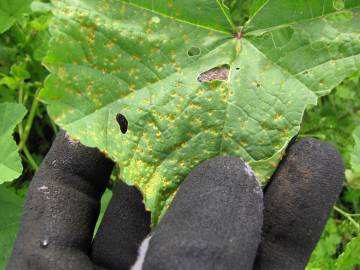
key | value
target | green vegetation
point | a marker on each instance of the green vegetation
(143, 61)
(336, 119)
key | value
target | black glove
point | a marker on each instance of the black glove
(216, 220)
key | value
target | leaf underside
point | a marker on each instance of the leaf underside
(143, 59)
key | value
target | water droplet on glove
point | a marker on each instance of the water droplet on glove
(44, 243)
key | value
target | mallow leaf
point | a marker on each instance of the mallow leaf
(147, 61)
(10, 163)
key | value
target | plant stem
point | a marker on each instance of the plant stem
(30, 120)
(53, 125)
(29, 158)
(348, 216)
(20, 100)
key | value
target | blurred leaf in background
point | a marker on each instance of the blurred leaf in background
(11, 11)
(10, 212)
(24, 37)
(336, 119)
(10, 163)
(324, 256)
(353, 174)
(351, 256)
(22, 48)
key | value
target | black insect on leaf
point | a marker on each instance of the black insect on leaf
(123, 123)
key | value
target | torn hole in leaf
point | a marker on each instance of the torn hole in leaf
(220, 73)
(123, 123)
(194, 51)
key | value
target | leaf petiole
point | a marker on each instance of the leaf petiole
(29, 121)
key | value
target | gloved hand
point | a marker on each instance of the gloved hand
(219, 218)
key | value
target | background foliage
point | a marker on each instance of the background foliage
(23, 44)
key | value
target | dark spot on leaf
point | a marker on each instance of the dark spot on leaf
(258, 84)
(215, 74)
(194, 51)
(123, 123)
(237, 68)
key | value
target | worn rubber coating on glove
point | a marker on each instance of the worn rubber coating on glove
(297, 204)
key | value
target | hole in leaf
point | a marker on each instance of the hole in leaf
(220, 73)
(123, 123)
(194, 51)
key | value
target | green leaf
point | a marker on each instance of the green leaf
(323, 257)
(353, 173)
(142, 59)
(105, 199)
(11, 11)
(355, 156)
(10, 213)
(350, 257)
(7, 56)
(10, 163)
